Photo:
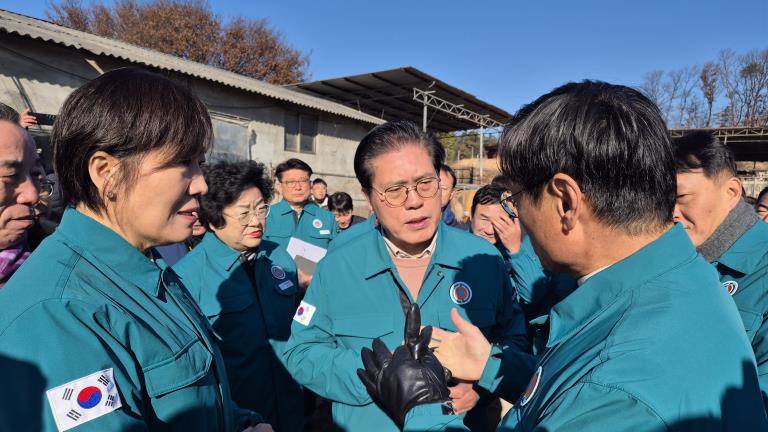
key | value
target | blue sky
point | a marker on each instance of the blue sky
(505, 52)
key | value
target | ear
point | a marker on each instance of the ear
(279, 187)
(367, 199)
(569, 199)
(102, 168)
(733, 190)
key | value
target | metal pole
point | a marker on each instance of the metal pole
(482, 153)
(424, 117)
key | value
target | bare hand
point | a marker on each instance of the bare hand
(509, 231)
(304, 280)
(261, 427)
(464, 353)
(464, 397)
(26, 120)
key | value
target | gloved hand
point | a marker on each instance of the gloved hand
(409, 377)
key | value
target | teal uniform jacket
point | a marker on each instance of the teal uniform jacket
(353, 232)
(651, 343)
(537, 289)
(743, 269)
(252, 325)
(354, 298)
(316, 226)
(94, 335)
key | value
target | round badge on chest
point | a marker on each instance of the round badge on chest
(277, 272)
(461, 293)
(317, 223)
(731, 286)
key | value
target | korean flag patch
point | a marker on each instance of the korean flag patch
(304, 313)
(83, 399)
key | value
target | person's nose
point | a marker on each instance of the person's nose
(198, 186)
(413, 200)
(677, 214)
(27, 192)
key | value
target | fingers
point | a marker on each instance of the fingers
(369, 361)
(412, 327)
(381, 353)
(367, 381)
(421, 348)
(464, 327)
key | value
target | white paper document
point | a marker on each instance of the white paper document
(306, 255)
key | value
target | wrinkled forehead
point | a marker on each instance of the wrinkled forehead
(15, 143)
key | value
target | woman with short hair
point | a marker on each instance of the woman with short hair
(247, 288)
(94, 333)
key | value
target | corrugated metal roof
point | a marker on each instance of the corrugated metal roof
(389, 94)
(43, 30)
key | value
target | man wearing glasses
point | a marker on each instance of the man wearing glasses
(650, 340)
(363, 290)
(296, 215)
(19, 191)
(494, 219)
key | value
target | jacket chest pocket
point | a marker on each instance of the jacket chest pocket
(751, 322)
(484, 318)
(358, 331)
(190, 365)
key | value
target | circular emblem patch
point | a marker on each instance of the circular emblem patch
(300, 311)
(89, 397)
(461, 293)
(277, 272)
(317, 223)
(533, 385)
(731, 286)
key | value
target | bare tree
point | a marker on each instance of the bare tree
(189, 29)
(653, 88)
(708, 84)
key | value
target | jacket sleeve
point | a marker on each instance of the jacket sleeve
(428, 418)
(315, 357)
(760, 346)
(511, 364)
(55, 344)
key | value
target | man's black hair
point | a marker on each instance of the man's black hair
(611, 139)
(487, 195)
(340, 201)
(390, 137)
(7, 113)
(290, 164)
(448, 170)
(702, 150)
(319, 181)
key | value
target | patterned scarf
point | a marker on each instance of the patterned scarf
(11, 259)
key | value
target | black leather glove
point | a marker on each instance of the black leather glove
(409, 377)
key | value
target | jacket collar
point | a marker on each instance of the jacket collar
(283, 208)
(745, 255)
(98, 243)
(379, 260)
(602, 289)
(219, 252)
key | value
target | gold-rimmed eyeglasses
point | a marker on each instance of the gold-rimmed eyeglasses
(245, 216)
(396, 196)
(294, 183)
